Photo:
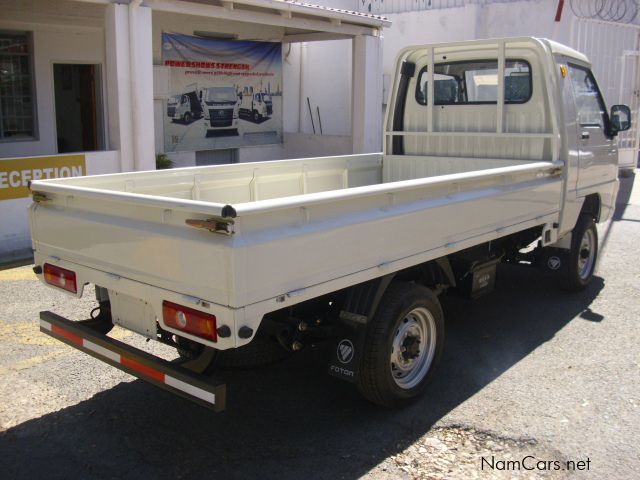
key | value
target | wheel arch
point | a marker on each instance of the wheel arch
(362, 300)
(592, 205)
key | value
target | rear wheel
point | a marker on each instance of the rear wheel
(196, 357)
(262, 350)
(582, 257)
(403, 345)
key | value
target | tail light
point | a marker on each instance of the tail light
(188, 320)
(60, 277)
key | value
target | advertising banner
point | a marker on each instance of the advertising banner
(16, 173)
(224, 94)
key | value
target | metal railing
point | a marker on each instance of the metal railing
(385, 7)
(620, 11)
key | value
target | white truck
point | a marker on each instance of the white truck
(185, 107)
(255, 106)
(220, 109)
(494, 151)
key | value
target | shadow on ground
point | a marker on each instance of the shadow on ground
(291, 419)
(622, 203)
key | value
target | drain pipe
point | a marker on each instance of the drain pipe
(301, 112)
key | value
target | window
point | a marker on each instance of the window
(17, 118)
(475, 82)
(589, 104)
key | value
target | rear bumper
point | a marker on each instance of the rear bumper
(161, 373)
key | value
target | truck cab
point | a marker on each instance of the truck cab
(220, 109)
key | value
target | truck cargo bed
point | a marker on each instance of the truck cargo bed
(292, 229)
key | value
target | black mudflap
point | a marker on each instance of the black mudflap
(347, 351)
(553, 260)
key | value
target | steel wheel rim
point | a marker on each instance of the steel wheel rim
(586, 254)
(413, 348)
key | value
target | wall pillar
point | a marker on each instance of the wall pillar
(366, 119)
(129, 58)
(141, 58)
(119, 83)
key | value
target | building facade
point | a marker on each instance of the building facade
(84, 90)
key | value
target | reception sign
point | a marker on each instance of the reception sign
(16, 173)
(223, 94)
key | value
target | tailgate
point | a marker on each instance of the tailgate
(138, 237)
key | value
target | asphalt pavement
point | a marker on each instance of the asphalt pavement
(529, 372)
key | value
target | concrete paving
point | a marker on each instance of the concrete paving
(528, 371)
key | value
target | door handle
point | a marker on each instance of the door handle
(584, 135)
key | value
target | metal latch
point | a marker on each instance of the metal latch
(212, 224)
(39, 197)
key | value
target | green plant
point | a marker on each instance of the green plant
(163, 162)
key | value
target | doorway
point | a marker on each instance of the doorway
(78, 106)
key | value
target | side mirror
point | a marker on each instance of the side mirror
(620, 118)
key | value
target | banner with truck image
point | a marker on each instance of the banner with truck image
(224, 93)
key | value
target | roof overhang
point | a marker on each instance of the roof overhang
(301, 22)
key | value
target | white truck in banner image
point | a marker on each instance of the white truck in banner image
(255, 106)
(495, 151)
(220, 109)
(185, 107)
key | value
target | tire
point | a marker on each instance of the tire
(256, 116)
(407, 312)
(583, 256)
(186, 118)
(262, 350)
(196, 357)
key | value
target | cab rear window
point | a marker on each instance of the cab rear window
(475, 82)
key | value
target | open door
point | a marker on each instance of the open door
(78, 108)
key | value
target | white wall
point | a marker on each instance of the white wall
(326, 71)
(53, 45)
(296, 145)
(58, 37)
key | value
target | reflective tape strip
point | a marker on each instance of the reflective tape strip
(104, 352)
(72, 337)
(145, 370)
(190, 389)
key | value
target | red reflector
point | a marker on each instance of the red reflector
(143, 369)
(189, 320)
(60, 277)
(72, 337)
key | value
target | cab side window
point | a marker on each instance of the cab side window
(589, 103)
